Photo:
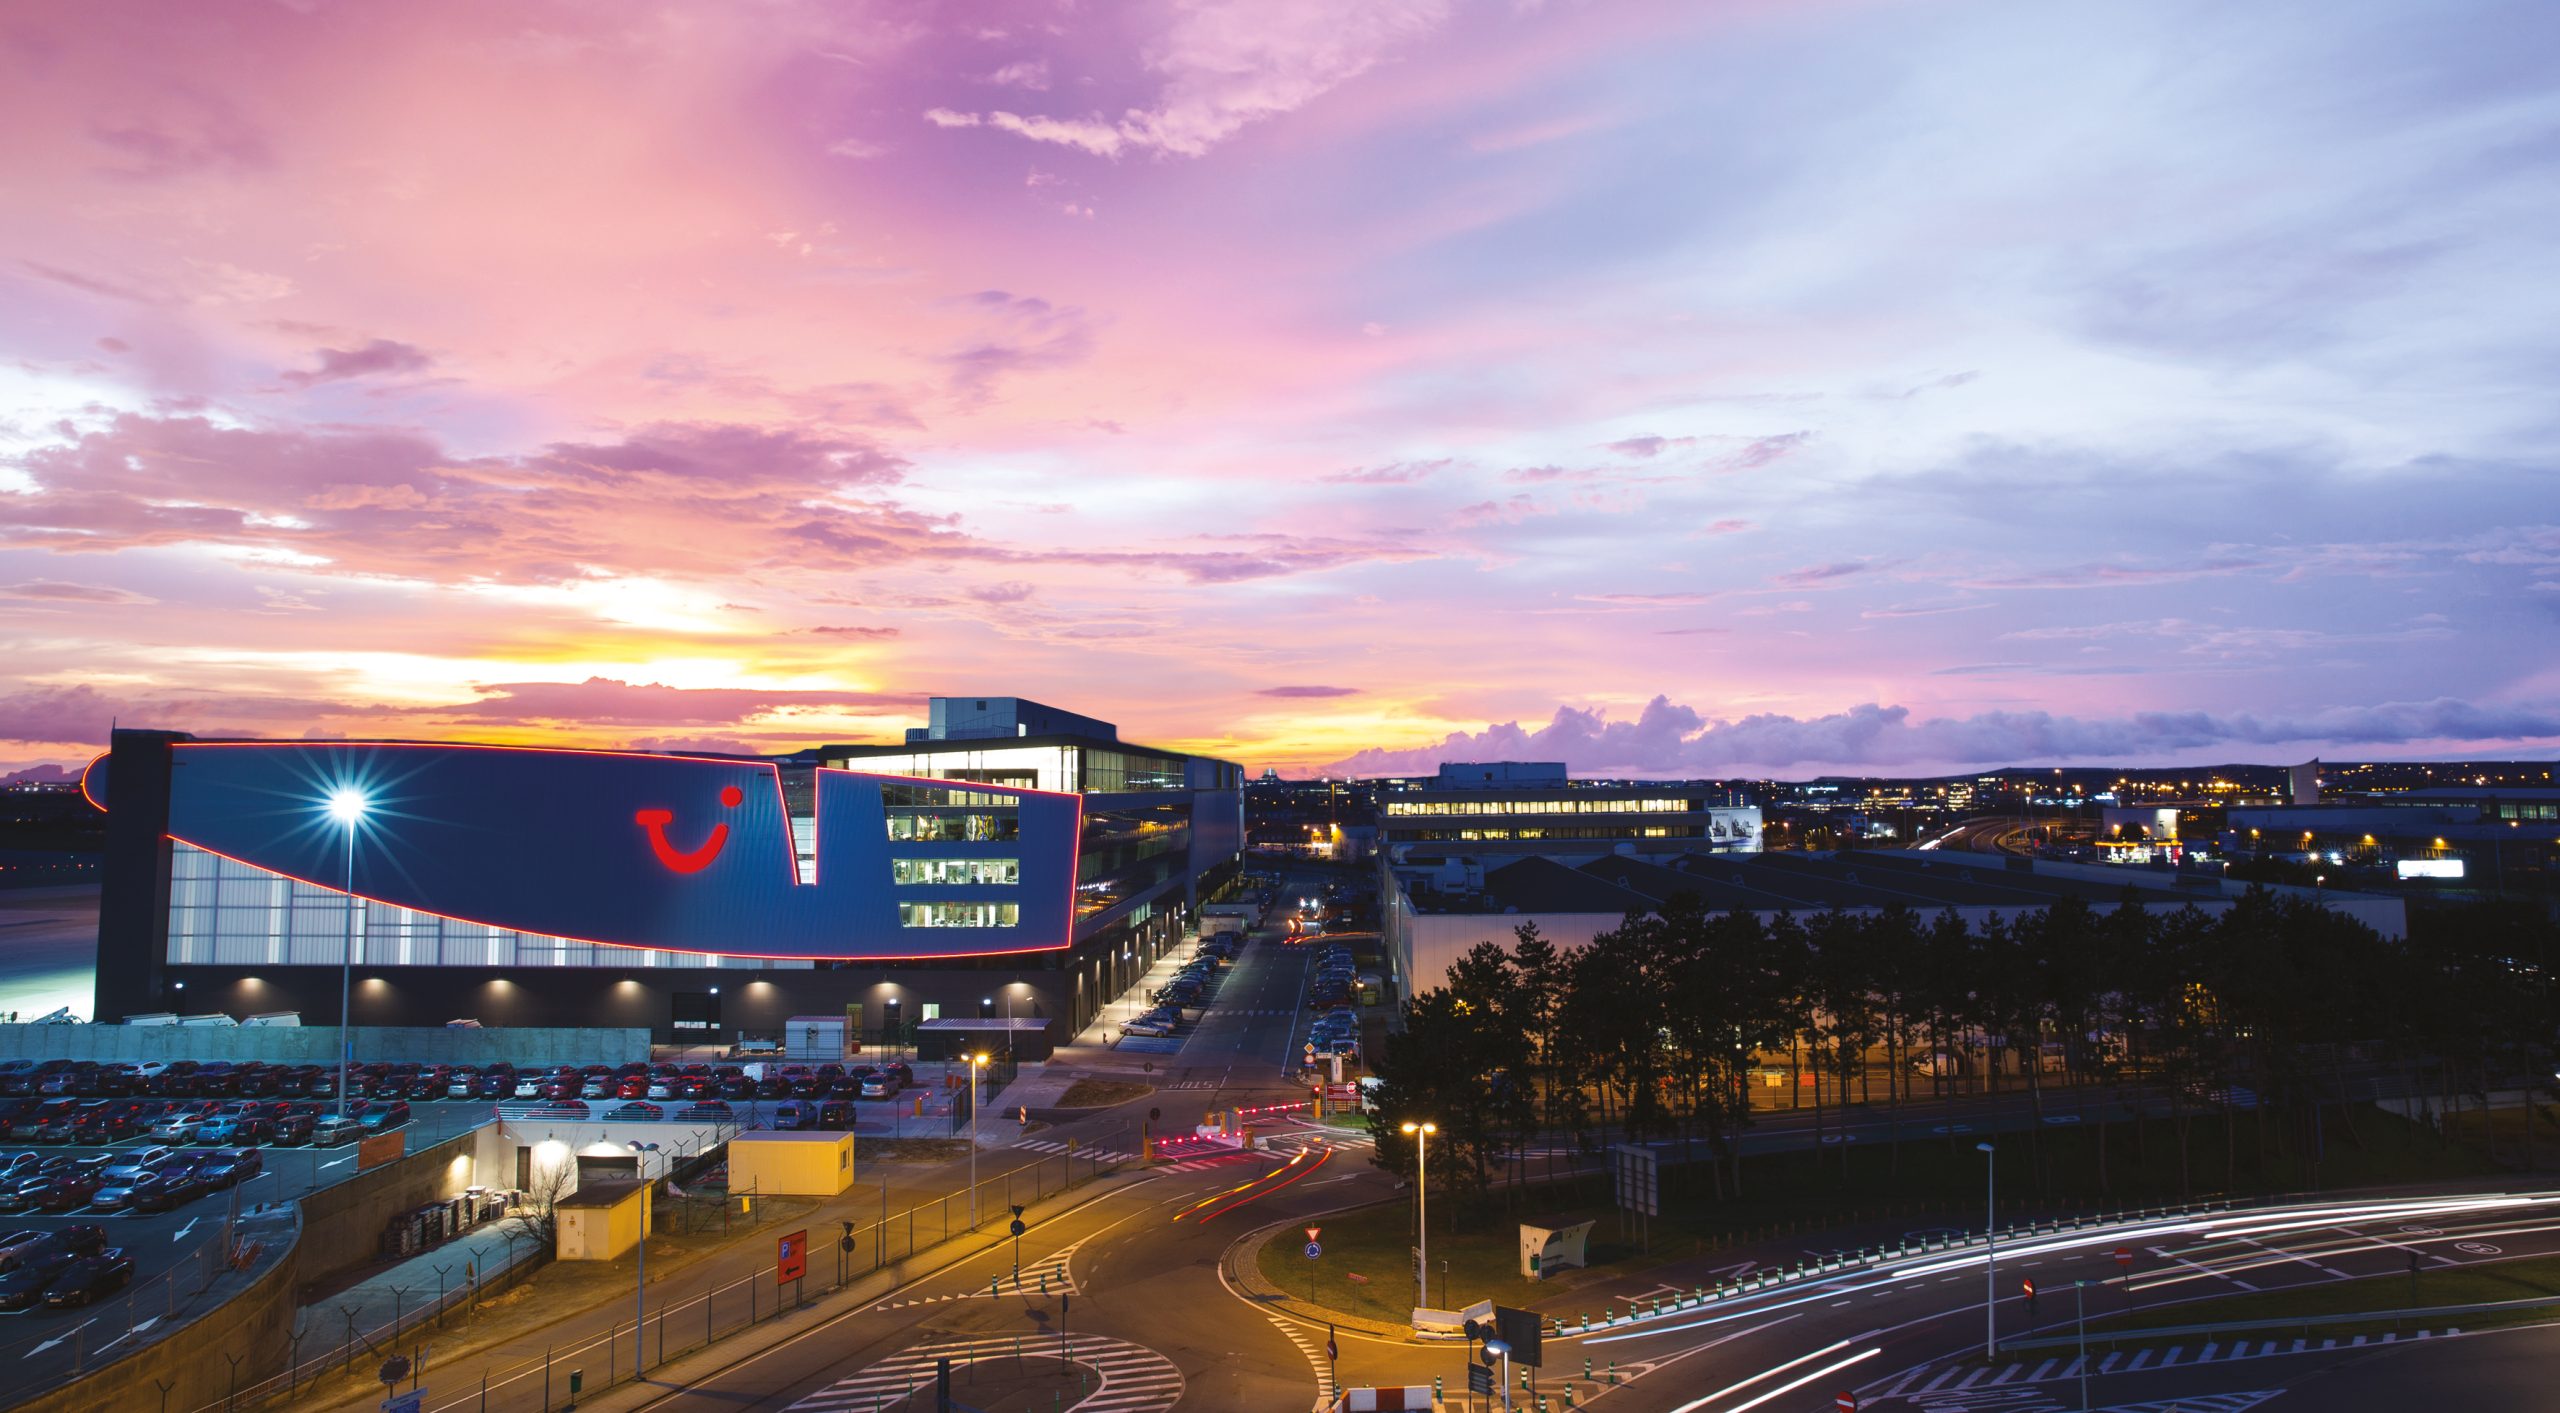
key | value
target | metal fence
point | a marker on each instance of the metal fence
(676, 1323)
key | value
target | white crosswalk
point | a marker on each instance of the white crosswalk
(1131, 1378)
(1050, 1145)
(1313, 1348)
(1052, 1274)
(1961, 1387)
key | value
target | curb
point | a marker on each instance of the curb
(1243, 1262)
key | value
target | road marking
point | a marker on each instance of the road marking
(64, 1336)
(1131, 1376)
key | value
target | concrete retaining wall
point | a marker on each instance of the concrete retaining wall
(256, 1324)
(342, 1224)
(318, 1044)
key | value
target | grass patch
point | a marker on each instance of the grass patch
(1813, 1200)
(2523, 1279)
(1101, 1094)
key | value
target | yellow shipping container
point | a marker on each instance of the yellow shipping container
(773, 1163)
(601, 1220)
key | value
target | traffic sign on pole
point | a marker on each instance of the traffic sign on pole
(2124, 1257)
(1846, 1403)
(1314, 1251)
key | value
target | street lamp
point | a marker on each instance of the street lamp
(976, 1062)
(1502, 1351)
(1990, 1249)
(640, 1296)
(2080, 1311)
(347, 806)
(1421, 1133)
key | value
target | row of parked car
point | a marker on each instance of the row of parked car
(66, 1267)
(254, 1079)
(698, 1083)
(1189, 989)
(421, 1083)
(142, 1180)
(1332, 984)
(210, 1122)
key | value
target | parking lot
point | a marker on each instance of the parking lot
(1178, 1000)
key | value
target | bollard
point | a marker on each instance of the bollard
(1613, 1372)
(1586, 1366)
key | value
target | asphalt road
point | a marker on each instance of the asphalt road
(1910, 1334)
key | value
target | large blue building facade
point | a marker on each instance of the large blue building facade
(948, 876)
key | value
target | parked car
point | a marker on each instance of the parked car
(331, 1132)
(19, 1248)
(230, 1168)
(882, 1084)
(379, 1117)
(23, 1288)
(90, 1278)
(72, 1188)
(179, 1128)
(168, 1190)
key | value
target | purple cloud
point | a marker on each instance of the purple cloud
(378, 357)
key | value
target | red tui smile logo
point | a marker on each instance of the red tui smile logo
(681, 860)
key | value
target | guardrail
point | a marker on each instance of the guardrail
(1864, 1258)
(2110, 1339)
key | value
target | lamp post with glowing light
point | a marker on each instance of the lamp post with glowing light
(1421, 1133)
(346, 806)
(976, 1062)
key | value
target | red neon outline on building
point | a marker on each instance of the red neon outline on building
(791, 845)
(84, 781)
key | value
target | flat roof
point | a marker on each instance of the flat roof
(603, 1192)
(1032, 1024)
(1802, 883)
(791, 1135)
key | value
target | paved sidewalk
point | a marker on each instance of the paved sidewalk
(1037, 1086)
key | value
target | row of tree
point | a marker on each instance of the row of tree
(2277, 1008)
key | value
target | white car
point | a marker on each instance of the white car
(180, 1129)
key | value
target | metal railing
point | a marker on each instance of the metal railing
(681, 1324)
(1868, 1257)
(2115, 1338)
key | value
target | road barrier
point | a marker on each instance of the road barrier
(2111, 1339)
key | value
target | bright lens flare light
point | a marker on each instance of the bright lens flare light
(346, 805)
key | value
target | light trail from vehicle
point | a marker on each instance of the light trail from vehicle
(1323, 1156)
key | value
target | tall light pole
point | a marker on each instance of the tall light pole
(976, 1062)
(640, 1296)
(1421, 1133)
(346, 806)
(1990, 1249)
(2080, 1309)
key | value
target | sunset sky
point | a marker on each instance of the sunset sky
(1669, 388)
